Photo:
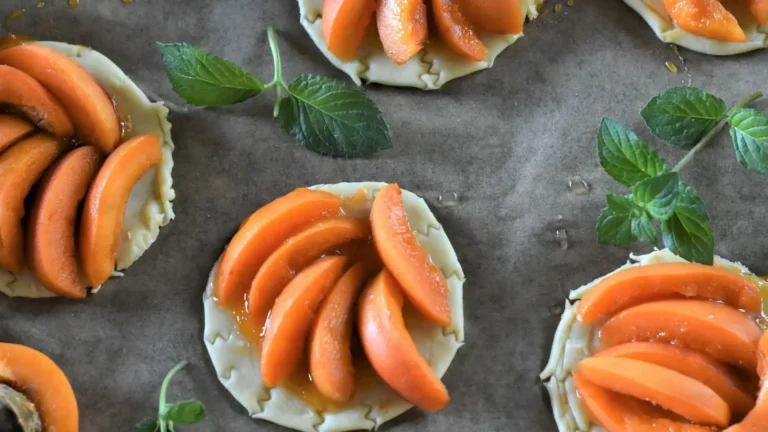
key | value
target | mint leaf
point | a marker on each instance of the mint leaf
(333, 118)
(658, 195)
(147, 425)
(688, 232)
(205, 80)
(186, 412)
(749, 133)
(624, 157)
(644, 229)
(614, 226)
(683, 115)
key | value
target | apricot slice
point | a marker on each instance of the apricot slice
(292, 316)
(705, 18)
(456, 31)
(390, 349)
(713, 328)
(52, 255)
(296, 253)
(759, 10)
(263, 232)
(402, 26)
(25, 95)
(691, 364)
(618, 413)
(495, 16)
(344, 25)
(12, 129)
(104, 209)
(422, 281)
(640, 284)
(20, 168)
(36, 376)
(88, 106)
(756, 420)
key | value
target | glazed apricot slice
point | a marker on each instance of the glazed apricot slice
(12, 129)
(720, 331)
(344, 25)
(20, 168)
(291, 318)
(390, 349)
(263, 232)
(691, 364)
(422, 281)
(759, 10)
(456, 31)
(104, 209)
(495, 16)
(706, 18)
(296, 253)
(756, 420)
(36, 376)
(640, 284)
(88, 106)
(402, 26)
(25, 95)
(51, 242)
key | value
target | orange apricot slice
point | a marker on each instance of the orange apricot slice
(263, 232)
(619, 413)
(102, 221)
(12, 129)
(757, 419)
(20, 168)
(705, 18)
(27, 96)
(291, 318)
(456, 31)
(402, 26)
(51, 242)
(422, 281)
(495, 16)
(390, 349)
(759, 10)
(691, 364)
(36, 376)
(296, 253)
(713, 328)
(88, 106)
(344, 25)
(640, 284)
(330, 355)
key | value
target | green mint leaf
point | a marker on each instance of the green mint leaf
(202, 79)
(186, 412)
(683, 115)
(146, 425)
(614, 226)
(333, 118)
(658, 195)
(688, 232)
(749, 133)
(644, 229)
(624, 157)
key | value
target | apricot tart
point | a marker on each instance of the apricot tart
(85, 170)
(336, 308)
(662, 344)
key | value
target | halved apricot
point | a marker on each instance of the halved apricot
(402, 26)
(344, 25)
(86, 103)
(640, 284)
(292, 316)
(102, 221)
(422, 281)
(713, 328)
(27, 96)
(757, 419)
(20, 168)
(495, 16)
(390, 349)
(36, 376)
(52, 255)
(12, 129)
(691, 364)
(706, 18)
(759, 10)
(263, 232)
(456, 31)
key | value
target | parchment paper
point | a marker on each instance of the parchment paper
(506, 141)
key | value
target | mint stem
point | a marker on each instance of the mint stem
(163, 391)
(718, 127)
(277, 81)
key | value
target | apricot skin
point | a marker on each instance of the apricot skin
(344, 25)
(456, 31)
(402, 26)
(495, 16)
(705, 18)
(27, 96)
(12, 129)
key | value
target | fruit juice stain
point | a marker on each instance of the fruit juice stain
(15, 15)
(73, 3)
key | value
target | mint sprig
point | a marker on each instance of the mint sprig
(169, 415)
(328, 117)
(683, 115)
